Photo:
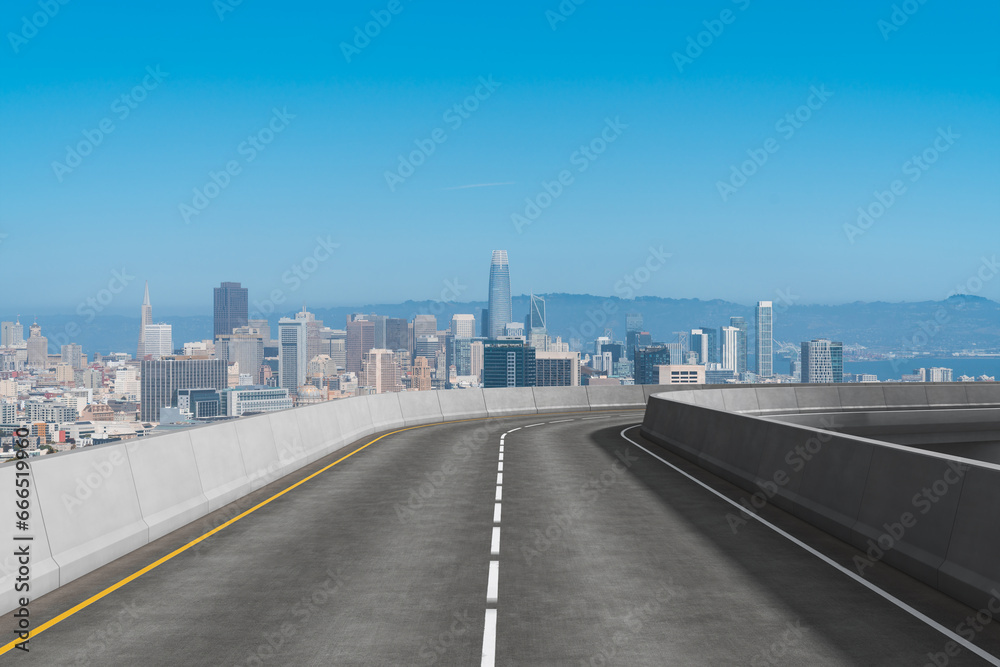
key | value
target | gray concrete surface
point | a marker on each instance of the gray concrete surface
(607, 556)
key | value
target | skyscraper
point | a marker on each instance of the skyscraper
(293, 348)
(730, 347)
(146, 319)
(741, 343)
(230, 308)
(380, 371)
(38, 347)
(647, 359)
(700, 344)
(12, 334)
(499, 299)
(423, 325)
(822, 361)
(396, 332)
(508, 363)
(360, 339)
(536, 315)
(764, 326)
(463, 326)
(159, 340)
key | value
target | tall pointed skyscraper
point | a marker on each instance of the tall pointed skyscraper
(147, 318)
(499, 301)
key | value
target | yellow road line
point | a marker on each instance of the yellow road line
(135, 575)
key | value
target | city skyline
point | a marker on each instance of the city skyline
(681, 130)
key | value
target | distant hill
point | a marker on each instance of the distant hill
(960, 322)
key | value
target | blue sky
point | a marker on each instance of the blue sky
(892, 94)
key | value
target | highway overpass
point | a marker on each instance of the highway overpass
(513, 527)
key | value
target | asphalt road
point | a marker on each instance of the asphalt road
(603, 555)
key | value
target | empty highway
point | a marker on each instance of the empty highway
(539, 540)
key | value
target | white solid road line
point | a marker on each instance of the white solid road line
(490, 639)
(495, 542)
(499, 492)
(493, 583)
(496, 513)
(989, 657)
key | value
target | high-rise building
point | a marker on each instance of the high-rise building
(701, 344)
(293, 348)
(764, 328)
(360, 339)
(420, 377)
(38, 347)
(426, 347)
(476, 355)
(463, 326)
(500, 313)
(557, 369)
(730, 348)
(230, 308)
(162, 378)
(508, 363)
(245, 346)
(741, 343)
(72, 354)
(396, 334)
(380, 371)
(939, 374)
(264, 327)
(536, 316)
(646, 361)
(146, 319)
(11, 333)
(158, 341)
(423, 325)
(822, 361)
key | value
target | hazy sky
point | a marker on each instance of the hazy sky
(329, 121)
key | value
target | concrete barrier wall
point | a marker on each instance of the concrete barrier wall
(420, 407)
(560, 399)
(90, 506)
(865, 492)
(44, 571)
(462, 404)
(96, 504)
(166, 507)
